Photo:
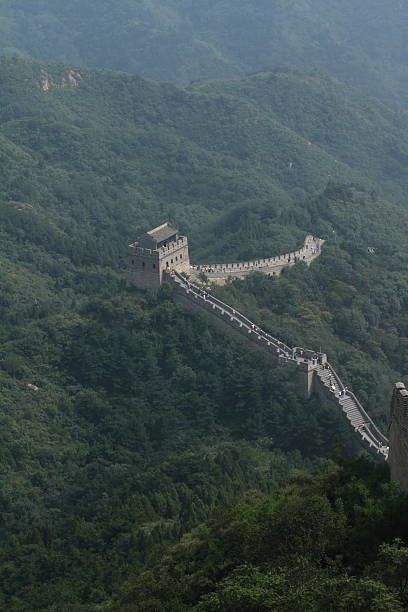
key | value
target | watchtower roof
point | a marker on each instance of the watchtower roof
(162, 232)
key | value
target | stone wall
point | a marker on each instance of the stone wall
(144, 268)
(398, 455)
(272, 266)
(231, 326)
(148, 261)
(175, 256)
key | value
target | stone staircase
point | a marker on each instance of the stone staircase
(346, 403)
(352, 409)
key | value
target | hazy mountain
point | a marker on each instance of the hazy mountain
(363, 43)
(104, 143)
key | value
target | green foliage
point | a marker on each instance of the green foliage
(296, 549)
(136, 433)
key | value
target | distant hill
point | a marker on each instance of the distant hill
(363, 43)
(121, 153)
(354, 129)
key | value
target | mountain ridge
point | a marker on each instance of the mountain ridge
(181, 41)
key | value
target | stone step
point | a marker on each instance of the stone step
(356, 422)
(356, 416)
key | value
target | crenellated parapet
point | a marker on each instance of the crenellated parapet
(272, 266)
(398, 456)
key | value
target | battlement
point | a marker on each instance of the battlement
(136, 250)
(272, 266)
(170, 248)
(308, 355)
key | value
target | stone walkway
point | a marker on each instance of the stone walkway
(325, 375)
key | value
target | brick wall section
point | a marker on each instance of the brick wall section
(147, 260)
(148, 267)
(272, 266)
(398, 457)
(143, 268)
(223, 322)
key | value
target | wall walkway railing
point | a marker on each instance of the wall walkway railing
(325, 377)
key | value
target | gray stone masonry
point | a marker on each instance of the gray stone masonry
(398, 459)
(272, 266)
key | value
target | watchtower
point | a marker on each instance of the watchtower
(160, 249)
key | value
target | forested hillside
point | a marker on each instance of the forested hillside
(107, 145)
(342, 121)
(145, 419)
(362, 43)
(330, 541)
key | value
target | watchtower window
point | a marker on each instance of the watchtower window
(133, 261)
(181, 255)
(154, 265)
(171, 261)
(167, 264)
(176, 257)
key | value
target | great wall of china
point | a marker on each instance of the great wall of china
(161, 254)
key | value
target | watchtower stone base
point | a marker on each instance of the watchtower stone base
(398, 454)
